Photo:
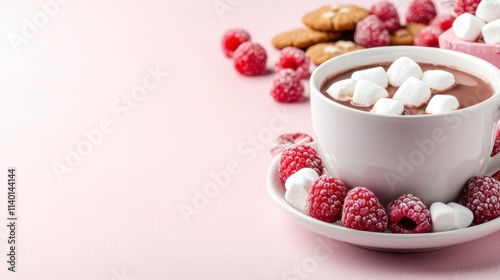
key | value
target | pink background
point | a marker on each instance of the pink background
(117, 215)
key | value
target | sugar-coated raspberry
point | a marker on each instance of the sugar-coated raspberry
(482, 197)
(297, 157)
(371, 32)
(232, 39)
(421, 11)
(286, 140)
(287, 87)
(428, 37)
(408, 214)
(466, 6)
(326, 198)
(443, 21)
(250, 59)
(387, 14)
(363, 211)
(496, 146)
(294, 58)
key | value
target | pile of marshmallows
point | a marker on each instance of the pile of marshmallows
(367, 88)
(485, 24)
(444, 217)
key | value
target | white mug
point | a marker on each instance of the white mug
(430, 156)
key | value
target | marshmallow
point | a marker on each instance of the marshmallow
(488, 10)
(401, 69)
(387, 106)
(442, 217)
(342, 90)
(413, 93)
(375, 75)
(467, 27)
(297, 188)
(442, 103)
(367, 93)
(439, 80)
(491, 32)
(463, 215)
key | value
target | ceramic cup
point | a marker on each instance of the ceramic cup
(430, 156)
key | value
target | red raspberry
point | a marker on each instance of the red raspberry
(297, 157)
(482, 197)
(387, 14)
(466, 6)
(363, 211)
(285, 140)
(443, 21)
(232, 39)
(421, 11)
(408, 214)
(428, 37)
(250, 59)
(496, 175)
(294, 58)
(496, 146)
(286, 86)
(326, 198)
(371, 32)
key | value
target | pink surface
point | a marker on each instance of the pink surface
(115, 213)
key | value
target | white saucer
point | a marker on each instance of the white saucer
(373, 240)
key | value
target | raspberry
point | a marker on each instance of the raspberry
(482, 197)
(387, 14)
(408, 214)
(371, 32)
(232, 39)
(250, 59)
(286, 86)
(443, 21)
(466, 6)
(421, 11)
(289, 139)
(363, 211)
(496, 175)
(496, 146)
(296, 157)
(326, 198)
(294, 58)
(428, 37)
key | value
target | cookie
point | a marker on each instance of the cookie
(303, 38)
(335, 18)
(406, 34)
(321, 52)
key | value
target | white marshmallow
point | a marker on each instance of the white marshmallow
(439, 80)
(442, 217)
(297, 188)
(413, 93)
(442, 103)
(387, 106)
(367, 93)
(467, 27)
(342, 90)
(488, 10)
(376, 75)
(491, 32)
(401, 69)
(463, 215)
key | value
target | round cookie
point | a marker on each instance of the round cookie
(406, 34)
(321, 52)
(303, 38)
(335, 18)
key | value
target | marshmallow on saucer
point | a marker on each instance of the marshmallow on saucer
(439, 80)
(463, 215)
(442, 217)
(488, 10)
(442, 103)
(401, 69)
(467, 27)
(491, 32)
(342, 90)
(297, 188)
(413, 93)
(376, 75)
(367, 93)
(387, 106)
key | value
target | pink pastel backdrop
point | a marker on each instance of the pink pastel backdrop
(115, 213)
